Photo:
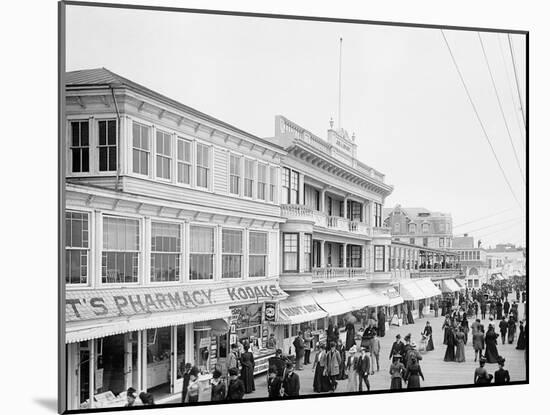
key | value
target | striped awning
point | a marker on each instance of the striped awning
(298, 309)
(332, 302)
(392, 295)
(449, 286)
(363, 297)
(418, 289)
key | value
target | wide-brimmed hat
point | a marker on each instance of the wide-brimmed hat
(352, 349)
(413, 345)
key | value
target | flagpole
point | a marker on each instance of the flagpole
(340, 88)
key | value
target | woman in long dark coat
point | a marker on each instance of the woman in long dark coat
(491, 352)
(511, 330)
(350, 335)
(521, 338)
(460, 355)
(381, 323)
(321, 382)
(397, 370)
(499, 310)
(465, 328)
(247, 370)
(410, 318)
(413, 375)
(446, 328)
(428, 333)
(451, 343)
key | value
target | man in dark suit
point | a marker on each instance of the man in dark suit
(397, 347)
(291, 384)
(506, 307)
(363, 369)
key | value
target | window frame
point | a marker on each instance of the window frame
(262, 186)
(412, 228)
(80, 148)
(163, 157)
(297, 252)
(179, 161)
(108, 146)
(376, 258)
(377, 215)
(249, 166)
(273, 173)
(140, 150)
(198, 166)
(425, 227)
(190, 253)
(238, 159)
(233, 254)
(180, 253)
(255, 255)
(308, 262)
(87, 249)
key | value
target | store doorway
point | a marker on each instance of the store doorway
(159, 362)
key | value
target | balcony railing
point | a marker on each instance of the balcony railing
(436, 273)
(359, 227)
(380, 230)
(339, 273)
(337, 222)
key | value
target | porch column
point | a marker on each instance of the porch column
(344, 249)
(346, 216)
(322, 253)
(91, 378)
(322, 196)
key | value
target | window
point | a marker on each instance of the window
(424, 241)
(425, 227)
(234, 174)
(286, 186)
(232, 253)
(203, 165)
(353, 254)
(397, 227)
(441, 227)
(477, 255)
(164, 155)
(442, 242)
(290, 252)
(107, 145)
(201, 258)
(411, 241)
(272, 183)
(184, 161)
(141, 149)
(356, 211)
(262, 182)
(379, 257)
(294, 193)
(248, 177)
(311, 197)
(80, 146)
(77, 247)
(165, 251)
(308, 242)
(377, 214)
(412, 228)
(120, 256)
(257, 254)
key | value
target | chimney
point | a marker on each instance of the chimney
(465, 235)
(479, 243)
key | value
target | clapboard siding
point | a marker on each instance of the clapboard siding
(200, 198)
(220, 171)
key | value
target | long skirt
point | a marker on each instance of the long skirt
(430, 345)
(511, 335)
(321, 383)
(396, 383)
(413, 382)
(460, 354)
(352, 381)
(491, 352)
(247, 376)
(521, 341)
(450, 353)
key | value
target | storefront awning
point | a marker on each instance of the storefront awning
(393, 297)
(297, 309)
(363, 297)
(332, 302)
(449, 286)
(461, 284)
(418, 289)
(78, 333)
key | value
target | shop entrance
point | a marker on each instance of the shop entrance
(159, 359)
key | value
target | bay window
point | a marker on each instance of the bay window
(107, 145)
(272, 183)
(290, 252)
(379, 257)
(164, 155)
(232, 253)
(234, 174)
(354, 256)
(203, 165)
(257, 254)
(201, 258)
(248, 177)
(76, 247)
(121, 245)
(165, 251)
(184, 161)
(140, 149)
(80, 146)
(308, 241)
(262, 182)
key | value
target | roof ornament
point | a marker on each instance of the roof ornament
(353, 136)
(331, 122)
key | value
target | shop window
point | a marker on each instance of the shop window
(290, 252)
(107, 145)
(272, 183)
(80, 146)
(321, 324)
(307, 252)
(184, 161)
(141, 149)
(234, 174)
(286, 332)
(262, 182)
(379, 257)
(120, 256)
(77, 247)
(257, 254)
(232, 250)
(203, 165)
(164, 155)
(159, 359)
(201, 258)
(248, 177)
(180, 351)
(165, 251)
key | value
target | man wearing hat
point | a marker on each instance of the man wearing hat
(397, 347)
(291, 384)
(186, 376)
(363, 369)
(131, 397)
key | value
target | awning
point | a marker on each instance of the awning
(332, 302)
(428, 287)
(297, 309)
(449, 286)
(78, 333)
(460, 283)
(418, 289)
(363, 297)
(393, 297)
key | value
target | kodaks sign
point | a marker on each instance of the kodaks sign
(92, 304)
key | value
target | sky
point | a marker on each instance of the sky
(401, 96)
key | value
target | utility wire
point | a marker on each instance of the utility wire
(496, 224)
(500, 230)
(484, 217)
(517, 80)
(500, 107)
(516, 116)
(479, 119)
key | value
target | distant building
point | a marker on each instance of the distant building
(473, 259)
(419, 226)
(507, 260)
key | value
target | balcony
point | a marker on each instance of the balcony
(335, 274)
(381, 231)
(323, 220)
(436, 273)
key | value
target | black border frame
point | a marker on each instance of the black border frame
(62, 364)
